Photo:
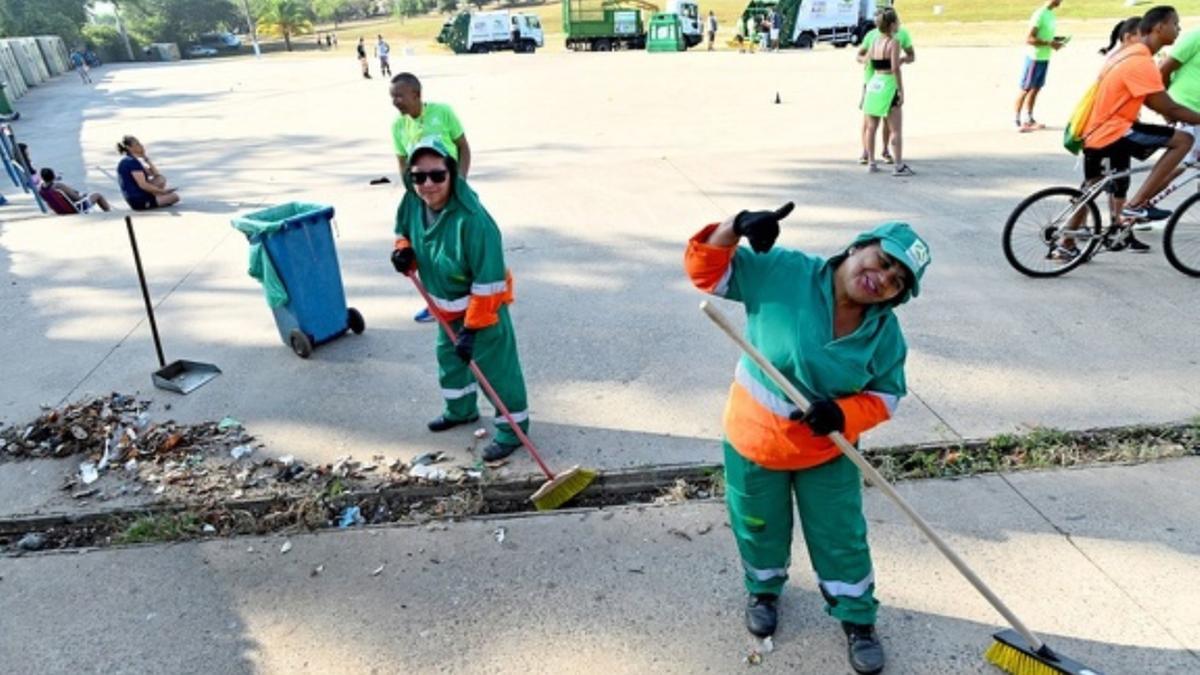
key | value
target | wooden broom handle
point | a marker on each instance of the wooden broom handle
(874, 476)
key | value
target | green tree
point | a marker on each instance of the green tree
(284, 18)
(447, 6)
(64, 18)
(180, 21)
(407, 8)
(330, 10)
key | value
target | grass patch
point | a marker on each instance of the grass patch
(159, 527)
(1041, 448)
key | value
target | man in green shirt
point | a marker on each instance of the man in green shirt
(1042, 43)
(910, 55)
(1181, 72)
(419, 120)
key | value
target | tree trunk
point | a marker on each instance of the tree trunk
(287, 40)
(124, 35)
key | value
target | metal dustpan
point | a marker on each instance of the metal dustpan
(183, 376)
(180, 376)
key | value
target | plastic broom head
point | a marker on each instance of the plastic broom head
(562, 488)
(1012, 654)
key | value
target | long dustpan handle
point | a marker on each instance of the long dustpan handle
(483, 381)
(137, 260)
(873, 475)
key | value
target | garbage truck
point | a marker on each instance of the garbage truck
(482, 32)
(607, 25)
(807, 22)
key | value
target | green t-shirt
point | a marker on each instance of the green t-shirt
(437, 119)
(1043, 20)
(1185, 82)
(869, 39)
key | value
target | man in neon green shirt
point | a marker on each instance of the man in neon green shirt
(1042, 43)
(419, 120)
(1181, 71)
(910, 55)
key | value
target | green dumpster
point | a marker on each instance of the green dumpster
(665, 34)
(5, 107)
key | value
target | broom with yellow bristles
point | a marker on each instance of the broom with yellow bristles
(559, 488)
(1016, 651)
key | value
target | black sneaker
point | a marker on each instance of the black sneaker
(441, 423)
(761, 614)
(495, 451)
(863, 647)
(1135, 245)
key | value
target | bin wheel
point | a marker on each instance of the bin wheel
(354, 320)
(300, 344)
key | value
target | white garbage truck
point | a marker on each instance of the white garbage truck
(482, 32)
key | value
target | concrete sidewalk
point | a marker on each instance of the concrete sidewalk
(598, 168)
(1098, 561)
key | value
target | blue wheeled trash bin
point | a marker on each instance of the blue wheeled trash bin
(293, 256)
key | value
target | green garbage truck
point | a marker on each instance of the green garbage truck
(607, 25)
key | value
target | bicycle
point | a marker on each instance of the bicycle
(1036, 231)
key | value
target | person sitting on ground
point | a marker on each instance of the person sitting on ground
(1124, 33)
(143, 186)
(1112, 132)
(79, 202)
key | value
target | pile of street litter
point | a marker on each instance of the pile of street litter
(123, 451)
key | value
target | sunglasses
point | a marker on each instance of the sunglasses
(438, 176)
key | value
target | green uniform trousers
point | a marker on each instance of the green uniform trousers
(495, 353)
(829, 502)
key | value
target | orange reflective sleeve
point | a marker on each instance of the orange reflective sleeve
(483, 307)
(706, 265)
(863, 412)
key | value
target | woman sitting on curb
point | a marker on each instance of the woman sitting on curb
(141, 183)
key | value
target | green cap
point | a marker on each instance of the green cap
(899, 241)
(429, 143)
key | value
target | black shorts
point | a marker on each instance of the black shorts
(142, 203)
(1141, 141)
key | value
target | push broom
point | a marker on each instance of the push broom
(1016, 651)
(559, 488)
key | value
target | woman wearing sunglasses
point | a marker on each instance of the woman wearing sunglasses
(829, 327)
(445, 234)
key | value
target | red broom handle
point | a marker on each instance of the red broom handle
(483, 381)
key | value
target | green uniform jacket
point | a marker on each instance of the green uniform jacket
(460, 257)
(788, 296)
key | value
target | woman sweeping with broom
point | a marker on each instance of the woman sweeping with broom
(828, 325)
(444, 233)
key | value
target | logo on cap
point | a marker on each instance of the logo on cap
(919, 254)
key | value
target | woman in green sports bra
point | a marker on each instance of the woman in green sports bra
(884, 95)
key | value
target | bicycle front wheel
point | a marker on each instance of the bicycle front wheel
(1051, 232)
(1181, 238)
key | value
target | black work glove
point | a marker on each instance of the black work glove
(761, 227)
(464, 346)
(823, 417)
(404, 260)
